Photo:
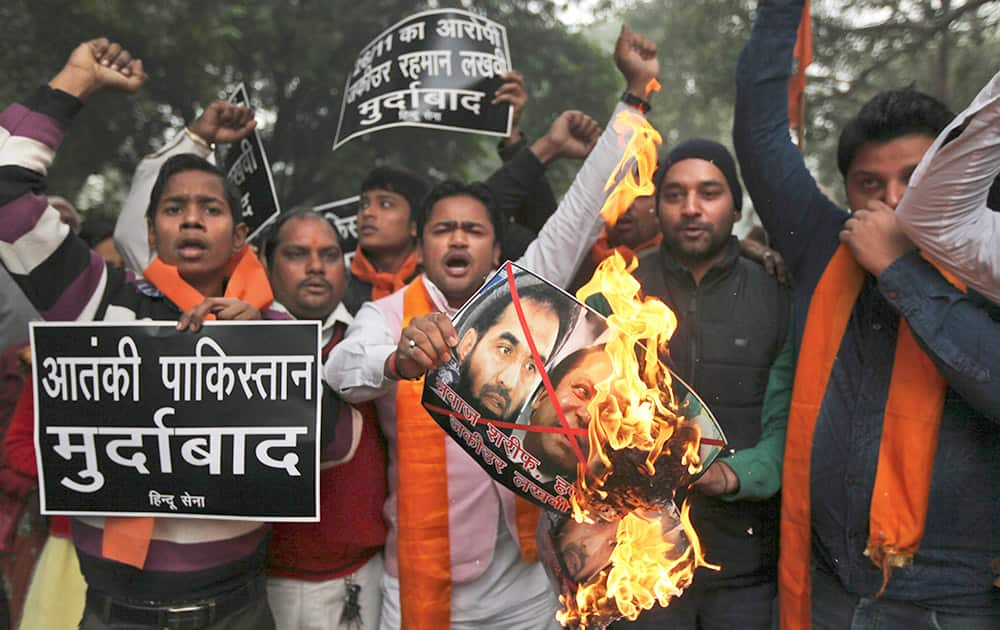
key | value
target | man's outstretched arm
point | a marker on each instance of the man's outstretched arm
(945, 211)
(56, 270)
(800, 219)
(571, 231)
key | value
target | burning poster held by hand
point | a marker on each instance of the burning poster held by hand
(569, 410)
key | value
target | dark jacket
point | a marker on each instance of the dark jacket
(731, 328)
(951, 571)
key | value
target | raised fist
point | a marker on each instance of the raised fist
(96, 65)
(223, 122)
(574, 134)
(635, 57)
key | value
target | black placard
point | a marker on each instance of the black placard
(140, 419)
(245, 165)
(343, 214)
(434, 69)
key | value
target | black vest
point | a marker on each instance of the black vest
(730, 329)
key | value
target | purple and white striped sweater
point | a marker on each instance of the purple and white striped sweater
(188, 559)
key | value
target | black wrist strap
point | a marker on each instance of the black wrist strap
(637, 102)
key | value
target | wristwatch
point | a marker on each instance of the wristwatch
(637, 102)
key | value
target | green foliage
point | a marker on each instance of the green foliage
(294, 56)
(946, 47)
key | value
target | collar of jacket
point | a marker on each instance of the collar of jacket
(672, 267)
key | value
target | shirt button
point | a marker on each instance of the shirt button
(877, 326)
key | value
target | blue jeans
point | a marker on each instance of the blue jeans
(711, 608)
(833, 608)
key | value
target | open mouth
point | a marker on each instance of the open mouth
(191, 248)
(457, 263)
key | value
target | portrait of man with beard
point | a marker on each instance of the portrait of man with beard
(496, 366)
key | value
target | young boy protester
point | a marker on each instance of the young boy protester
(460, 549)
(324, 574)
(144, 572)
(889, 493)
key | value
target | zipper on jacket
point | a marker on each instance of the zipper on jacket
(695, 331)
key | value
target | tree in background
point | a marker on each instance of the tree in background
(948, 48)
(294, 56)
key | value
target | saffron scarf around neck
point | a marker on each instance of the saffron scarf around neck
(424, 544)
(126, 539)
(908, 444)
(383, 282)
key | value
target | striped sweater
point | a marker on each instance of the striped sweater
(188, 559)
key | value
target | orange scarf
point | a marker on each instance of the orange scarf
(383, 282)
(906, 452)
(423, 537)
(126, 539)
(603, 249)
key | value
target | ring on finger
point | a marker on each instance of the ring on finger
(411, 344)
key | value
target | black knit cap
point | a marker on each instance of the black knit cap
(710, 151)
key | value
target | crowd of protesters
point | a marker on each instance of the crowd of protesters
(854, 367)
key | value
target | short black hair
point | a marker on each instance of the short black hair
(191, 162)
(457, 188)
(271, 238)
(396, 180)
(488, 311)
(889, 115)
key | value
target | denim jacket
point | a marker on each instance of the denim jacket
(951, 571)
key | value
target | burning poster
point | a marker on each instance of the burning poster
(533, 369)
(514, 357)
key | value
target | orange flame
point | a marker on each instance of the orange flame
(653, 562)
(633, 175)
(636, 430)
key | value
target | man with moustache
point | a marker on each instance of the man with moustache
(326, 575)
(886, 519)
(454, 551)
(575, 381)
(496, 366)
(385, 259)
(731, 340)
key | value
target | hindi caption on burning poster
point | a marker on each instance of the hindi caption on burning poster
(434, 69)
(246, 166)
(522, 344)
(140, 419)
